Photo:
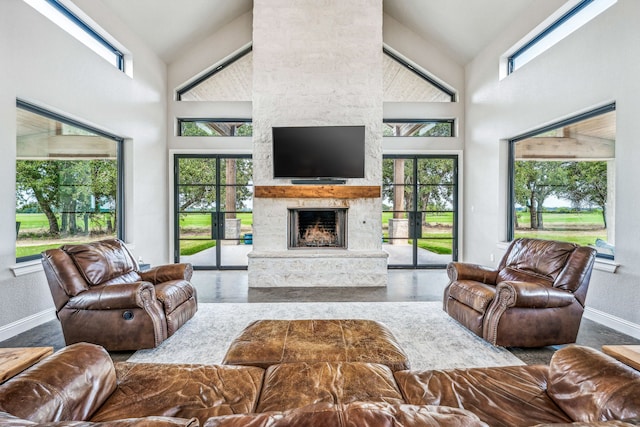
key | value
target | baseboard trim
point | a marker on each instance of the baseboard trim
(19, 326)
(613, 322)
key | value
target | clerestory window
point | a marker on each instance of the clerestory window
(404, 81)
(425, 128)
(215, 127)
(230, 80)
(557, 28)
(70, 21)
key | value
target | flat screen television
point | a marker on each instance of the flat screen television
(318, 152)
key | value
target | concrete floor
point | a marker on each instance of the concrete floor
(403, 285)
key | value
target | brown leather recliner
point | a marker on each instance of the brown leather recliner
(535, 297)
(101, 297)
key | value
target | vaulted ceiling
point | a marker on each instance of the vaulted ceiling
(461, 28)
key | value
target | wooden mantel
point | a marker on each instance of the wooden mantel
(317, 191)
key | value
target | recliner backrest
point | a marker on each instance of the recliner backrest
(535, 260)
(103, 261)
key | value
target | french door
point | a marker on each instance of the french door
(420, 210)
(213, 217)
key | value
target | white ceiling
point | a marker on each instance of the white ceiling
(461, 28)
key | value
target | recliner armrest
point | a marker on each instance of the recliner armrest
(114, 296)
(164, 273)
(532, 295)
(467, 271)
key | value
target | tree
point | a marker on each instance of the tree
(587, 184)
(435, 183)
(65, 188)
(39, 179)
(197, 180)
(534, 182)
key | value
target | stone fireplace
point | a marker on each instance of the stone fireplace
(317, 64)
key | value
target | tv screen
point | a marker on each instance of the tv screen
(318, 152)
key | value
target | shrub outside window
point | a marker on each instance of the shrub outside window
(562, 182)
(68, 182)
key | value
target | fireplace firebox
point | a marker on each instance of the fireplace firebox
(317, 228)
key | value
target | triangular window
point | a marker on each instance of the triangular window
(230, 80)
(404, 82)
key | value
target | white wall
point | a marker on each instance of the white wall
(441, 67)
(594, 66)
(44, 65)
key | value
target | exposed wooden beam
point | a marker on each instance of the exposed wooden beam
(317, 191)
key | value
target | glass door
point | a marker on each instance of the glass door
(420, 210)
(213, 210)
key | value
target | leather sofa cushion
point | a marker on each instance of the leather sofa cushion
(101, 261)
(181, 390)
(591, 386)
(68, 385)
(500, 396)
(472, 294)
(511, 274)
(8, 420)
(356, 414)
(293, 385)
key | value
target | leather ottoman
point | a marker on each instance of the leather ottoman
(269, 342)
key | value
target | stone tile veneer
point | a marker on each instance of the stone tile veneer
(316, 63)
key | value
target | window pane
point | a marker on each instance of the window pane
(229, 81)
(78, 28)
(405, 82)
(418, 128)
(563, 181)
(557, 30)
(213, 127)
(66, 185)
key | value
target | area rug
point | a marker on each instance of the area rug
(431, 339)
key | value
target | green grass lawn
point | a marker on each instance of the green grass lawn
(22, 251)
(586, 227)
(191, 247)
(557, 219)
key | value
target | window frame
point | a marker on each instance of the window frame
(556, 24)
(452, 122)
(119, 141)
(215, 70)
(420, 73)
(511, 161)
(181, 120)
(73, 18)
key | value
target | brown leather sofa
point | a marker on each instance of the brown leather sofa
(80, 386)
(535, 297)
(101, 296)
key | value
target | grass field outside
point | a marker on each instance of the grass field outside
(582, 228)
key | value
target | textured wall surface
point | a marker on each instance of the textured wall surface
(317, 63)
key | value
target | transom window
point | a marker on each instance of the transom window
(215, 127)
(68, 182)
(427, 127)
(563, 182)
